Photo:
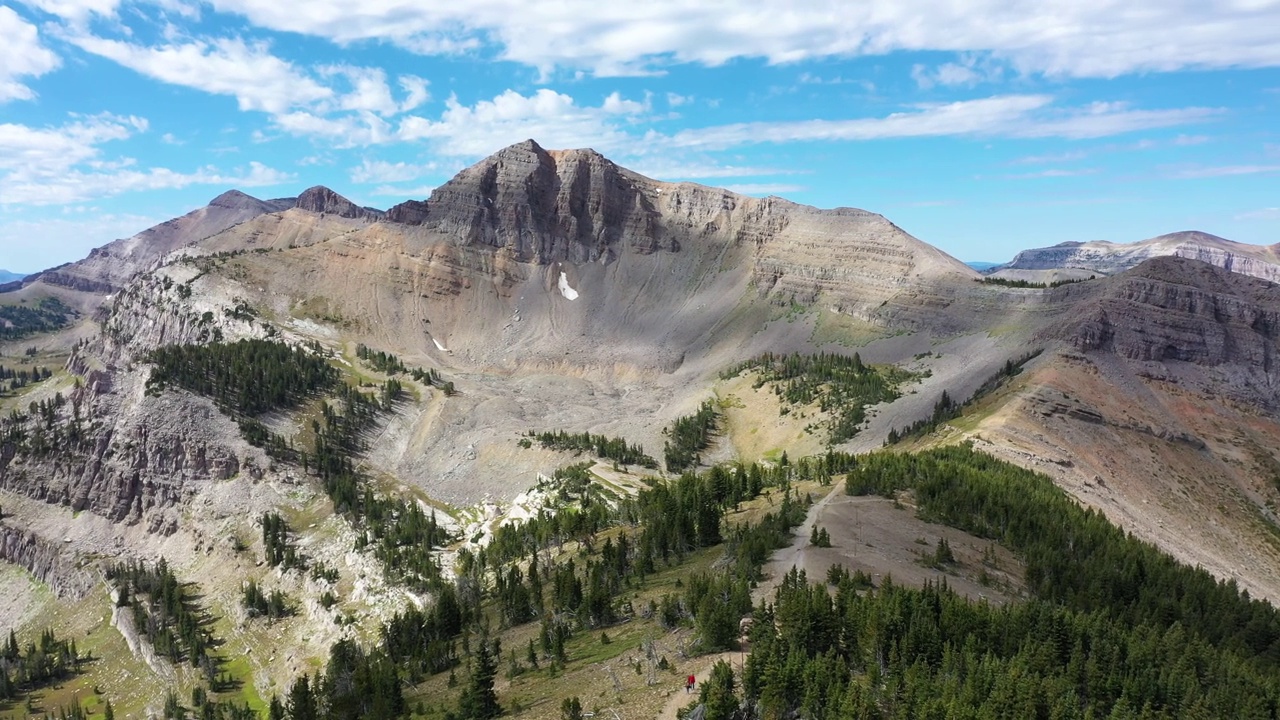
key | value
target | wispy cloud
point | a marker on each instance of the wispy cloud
(969, 71)
(1051, 158)
(1052, 173)
(341, 104)
(381, 171)
(676, 100)
(1222, 171)
(1056, 37)
(764, 188)
(702, 170)
(556, 119)
(65, 164)
(1022, 116)
(397, 191)
(1271, 213)
(248, 72)
(72, 236)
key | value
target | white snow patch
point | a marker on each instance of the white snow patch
(565, 290)
(440, 347)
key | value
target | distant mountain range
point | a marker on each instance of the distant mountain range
(1077, 261)
(982, 266)
(6, 276)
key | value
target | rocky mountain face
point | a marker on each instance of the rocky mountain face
(320, 199)
(531, 258)
(539, 208)
(409, 212)
(542, 207)
(1183, 311)
(1105, 258)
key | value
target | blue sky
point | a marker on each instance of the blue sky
(980, 126)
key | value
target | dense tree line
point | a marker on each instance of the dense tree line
(616, 449)
(841, 385)
(385, 362)
(1115, 628)
(405, 539)
(47, 661)
(1074, 557)
(576, 509)
(1005, 282)
(687, 437)
(245, 378)
(948, 409)
(894, 652)
(21, 320)
(424, 642)
(204, 707)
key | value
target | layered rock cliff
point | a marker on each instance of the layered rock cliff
(1106, 258)
(1175, 309)
(47, 560)
(542, 207)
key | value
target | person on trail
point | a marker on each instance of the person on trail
(689, 683)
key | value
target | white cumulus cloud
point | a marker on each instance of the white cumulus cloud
(66, 164)
(21, 56)
(555, 119)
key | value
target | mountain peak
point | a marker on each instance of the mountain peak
(1190, 236)
(524, 146)
(235, 200)
(546, 206)
(320, 199)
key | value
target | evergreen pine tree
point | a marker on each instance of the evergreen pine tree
(717, 694)
(302, 701)
(571, 708)
(478, 700)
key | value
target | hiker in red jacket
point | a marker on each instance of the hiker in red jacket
(688, 684)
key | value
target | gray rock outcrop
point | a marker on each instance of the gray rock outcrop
(48, 561)
(320, 199)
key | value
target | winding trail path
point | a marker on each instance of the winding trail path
(777, 566)
(699, 667)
